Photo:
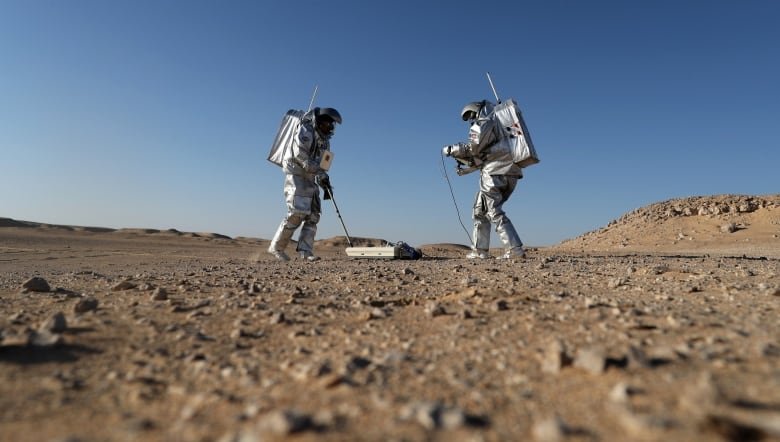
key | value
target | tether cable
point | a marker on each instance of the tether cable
(454, 201)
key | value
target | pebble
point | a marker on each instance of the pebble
(55, 323)
(36, 284)
(159, 294)
(745, 424)
(499, 305)
(621, 393)
(465, 314)
(124, 285)
(469, 280)
(592, 360)
(554, 357)
(637, 358)
(286, 422)
(433, 309)
(85, 305)
(377, 313)
(278, 318)
(434, 415)
(614, 283)
(44, 338)
(551, 429)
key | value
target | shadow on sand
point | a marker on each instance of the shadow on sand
(33, 354)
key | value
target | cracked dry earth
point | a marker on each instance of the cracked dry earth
(111, 336)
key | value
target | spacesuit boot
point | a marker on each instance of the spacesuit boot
(511, 240)
(481, 240)
(306, 241)
(280, 241)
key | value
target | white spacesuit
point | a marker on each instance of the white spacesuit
(303, 174)
(498, 177)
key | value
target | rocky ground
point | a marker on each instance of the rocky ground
(616, 335)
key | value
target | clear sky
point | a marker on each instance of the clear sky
(160, 114)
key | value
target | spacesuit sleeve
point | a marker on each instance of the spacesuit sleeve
(484, 139)
(301, 152)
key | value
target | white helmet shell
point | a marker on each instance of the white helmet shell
(471, 110)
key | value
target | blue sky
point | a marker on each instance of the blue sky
(160, 114)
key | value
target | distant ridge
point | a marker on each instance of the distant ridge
(12, 223)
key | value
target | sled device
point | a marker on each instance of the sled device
(399, 250)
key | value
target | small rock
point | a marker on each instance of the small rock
(44, 338)
(770, 349)
(637, 358)
(452, 418)
(620, 393)
(592, 360)
(86, 305)
(433, 309)
(554, 357)
(728, 228)
(137, 425)
(552, 429)
(36, 284)
(614, 283)
(434, 415)
(159, 294)
(745, 424)
(470, 280)
(377, 313)
(465, 314)
(55, 323)
(286, 422)
(124, 285)
(357, 363)
(499, 305)
(278, 318)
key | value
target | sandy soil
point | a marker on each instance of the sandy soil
(661, 326)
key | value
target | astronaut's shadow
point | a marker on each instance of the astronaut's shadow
(33, 354)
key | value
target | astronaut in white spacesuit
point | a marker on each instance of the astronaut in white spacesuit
(303, 177)
(498, 177)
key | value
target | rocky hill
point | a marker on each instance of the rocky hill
(721, 224)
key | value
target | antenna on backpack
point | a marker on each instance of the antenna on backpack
(490, 80)
(311, 103)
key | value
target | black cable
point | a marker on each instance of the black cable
(444, 169)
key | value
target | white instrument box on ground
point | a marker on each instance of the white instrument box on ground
(391, 252)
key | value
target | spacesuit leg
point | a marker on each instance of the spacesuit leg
(309, 228)
(283, 235)
(497, 191)
(481, 232)
(298, 207)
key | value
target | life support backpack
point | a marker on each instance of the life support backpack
(514, 133)
(285, 137)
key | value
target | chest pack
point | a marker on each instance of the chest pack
(514, 133)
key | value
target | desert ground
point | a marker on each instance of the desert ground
(662, 325)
